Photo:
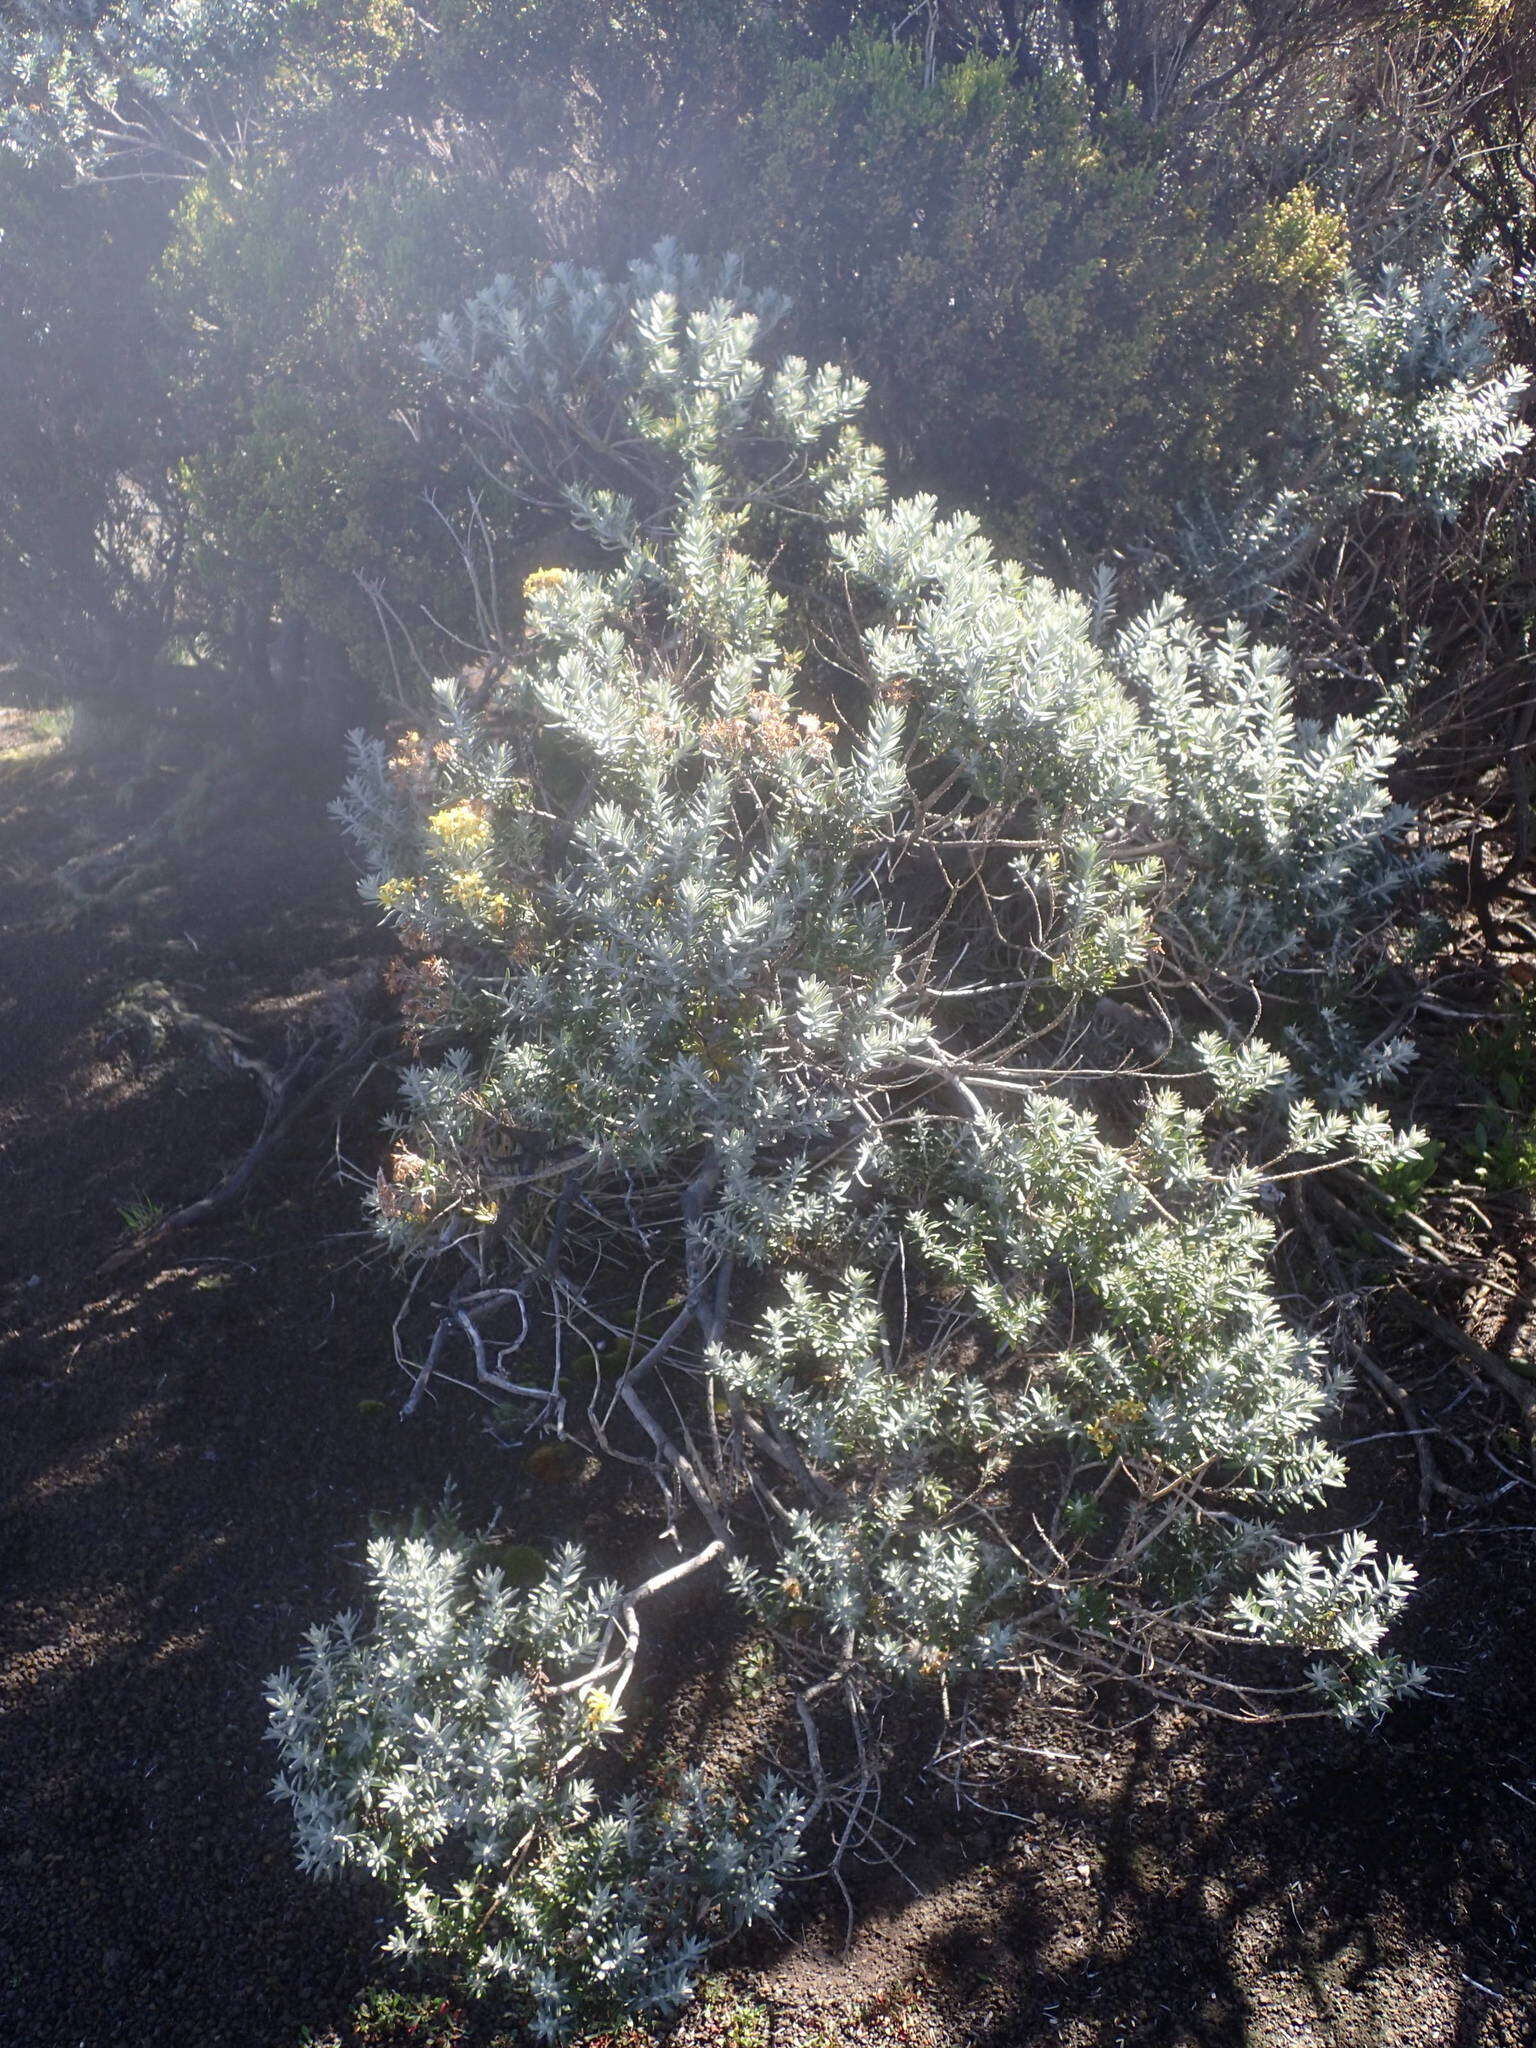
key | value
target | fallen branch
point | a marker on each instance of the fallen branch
(1515, 1381)
(288, 1101)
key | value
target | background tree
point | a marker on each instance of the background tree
(1049, 304)
(92, 514)
(1082, 253)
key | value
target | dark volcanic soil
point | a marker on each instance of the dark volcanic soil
(190, 1448)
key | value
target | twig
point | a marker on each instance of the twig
(286, 1106)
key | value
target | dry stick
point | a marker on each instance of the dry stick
(782, 1449)
(429, 1366)
(285, 1107)
(823, 1794)
(485, 1373)
(1492, 1285)
(1484, 1364)
(627, 1623)
(679, 1463)
(1430, 1261)
(1431, 1479)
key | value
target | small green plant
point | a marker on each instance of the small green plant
(1403, 1181)
(383, 2018)
(1501, 1148)
(142, 1214)
(752, 1671)
(745, 2026)
(54, 722)
(1502, 1154)
(735, 2021)
(521, 1564)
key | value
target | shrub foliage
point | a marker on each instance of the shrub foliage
(1055, 306)
(870, 1014)
(442, 1751)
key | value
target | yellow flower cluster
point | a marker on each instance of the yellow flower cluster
(474, 895)
(397, 893)
(463, 828)
(542, 580)
(597, 1710)
(1116, 1421)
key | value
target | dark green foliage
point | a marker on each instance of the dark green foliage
(295, 286)
(89, 515)
(1080, 248)
(1501, 1145)
(414, 152)
(1048, 305)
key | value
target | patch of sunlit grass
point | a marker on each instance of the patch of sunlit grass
(25, 733)
(141, 1215)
